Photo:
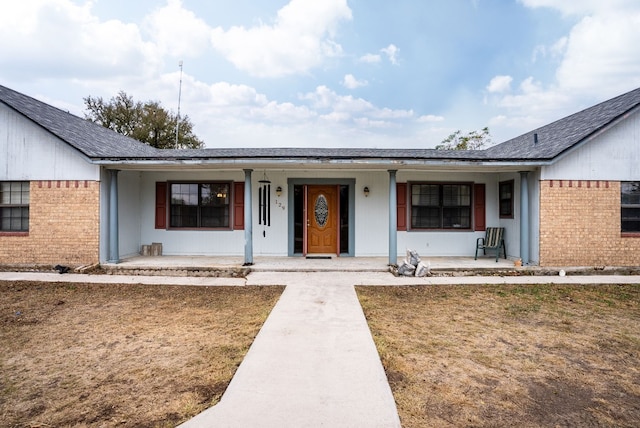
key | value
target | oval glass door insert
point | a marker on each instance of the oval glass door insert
(321, 210)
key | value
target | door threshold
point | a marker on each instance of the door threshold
(319, 257)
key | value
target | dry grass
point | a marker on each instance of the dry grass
(121, 355)
(526, 356)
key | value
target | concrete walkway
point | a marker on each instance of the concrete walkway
(313, 364)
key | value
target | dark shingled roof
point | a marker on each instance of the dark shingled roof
(98, 142)
(559, 136)
(323, 153)
(93, 140)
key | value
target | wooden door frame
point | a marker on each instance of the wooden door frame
(351, 185)
(307, 221)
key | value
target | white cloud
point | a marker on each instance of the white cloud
(226, 114)
(365, 122)
(387, 113)
(583, 7)
(598, 59)
(429, 118)
(391, 52)
(300, 39)
(556, 50)
(350, 82)
(602, 52)
(370, 58)
(500, 84)
(177, 31)
(65, 38)
(325, 98)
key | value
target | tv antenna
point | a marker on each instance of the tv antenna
(179, 96)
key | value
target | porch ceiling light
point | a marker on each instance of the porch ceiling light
(366, 191)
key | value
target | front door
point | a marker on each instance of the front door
(322, 219)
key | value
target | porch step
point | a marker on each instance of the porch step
(180, 271)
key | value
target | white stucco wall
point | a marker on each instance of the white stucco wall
(452, 243)
(371, 215)
(612, 155)
(186, 242)
(29, 152)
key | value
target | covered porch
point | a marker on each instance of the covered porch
(377, 213)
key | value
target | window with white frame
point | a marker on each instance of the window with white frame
(14, 206)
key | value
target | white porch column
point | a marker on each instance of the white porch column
(248, 221)
(524, 217)
(393, 219)
(114, 244)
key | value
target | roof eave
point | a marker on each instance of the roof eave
(132, 163)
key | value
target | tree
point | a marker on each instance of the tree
(474, 140)
(147, 122)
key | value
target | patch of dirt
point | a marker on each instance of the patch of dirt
(121, 355)
(556, 402)
(526, 356)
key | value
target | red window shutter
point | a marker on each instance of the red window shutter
(238, 205)
(161, 205)
(479, 211)
(401, 198)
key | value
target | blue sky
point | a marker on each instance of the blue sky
(330, 73)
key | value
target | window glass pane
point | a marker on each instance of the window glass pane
(184, 216)
(196, 205)
(184, 194)
(219, 194)
(630, 206)
(505, 208)
(505, 190)
(298, 218)
(14, 206)
(344, 219)
(205, 194)
(456, 195)
(506, 199)
(631, 193)
(5, 218)
(213, 216)
(25, 219)
(440, 206)
(425, 217)
(25, 192)
(425, 194)
(5, 192)
(458, 217)
(631, 219)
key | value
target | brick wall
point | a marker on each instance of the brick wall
(63, 226)
(580, 225)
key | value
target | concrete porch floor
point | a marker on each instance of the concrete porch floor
(485, 265)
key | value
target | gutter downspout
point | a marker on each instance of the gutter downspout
(393, 219)
(524, 217)
(114, 244)
(248, 221)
